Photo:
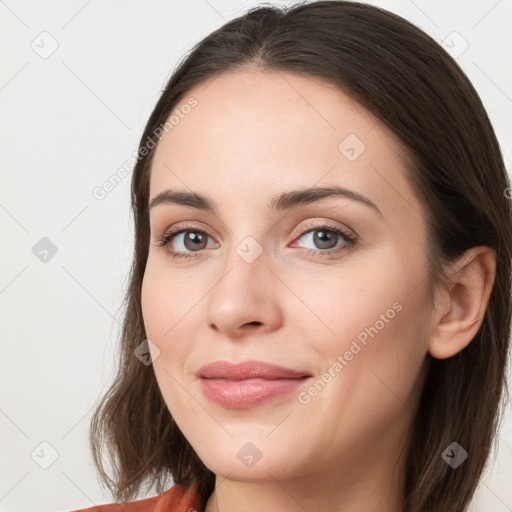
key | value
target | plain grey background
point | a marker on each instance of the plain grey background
(78, 82)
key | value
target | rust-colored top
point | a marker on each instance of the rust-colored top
(176, 499)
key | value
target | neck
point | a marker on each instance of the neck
(362, 484)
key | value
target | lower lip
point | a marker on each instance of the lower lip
(242, 394)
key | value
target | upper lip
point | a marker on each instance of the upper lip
(248, 370)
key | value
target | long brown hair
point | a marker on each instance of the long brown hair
(406, 79)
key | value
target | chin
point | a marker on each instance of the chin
(247, 462)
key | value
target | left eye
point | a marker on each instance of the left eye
(325, 237)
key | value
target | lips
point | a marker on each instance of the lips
(248, 370)
(249, 383)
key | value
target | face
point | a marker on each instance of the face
(267, 277)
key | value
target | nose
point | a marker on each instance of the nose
(244, 299)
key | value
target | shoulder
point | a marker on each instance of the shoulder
(178, 498)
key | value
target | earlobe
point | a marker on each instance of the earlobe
(464, 301)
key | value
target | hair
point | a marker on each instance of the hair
(454, 165)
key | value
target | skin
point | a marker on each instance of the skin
(253, 135)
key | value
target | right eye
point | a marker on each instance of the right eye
(194, 240)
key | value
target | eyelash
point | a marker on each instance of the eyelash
(350, 240)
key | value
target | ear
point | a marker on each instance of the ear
(461, 304)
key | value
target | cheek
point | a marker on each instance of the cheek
(167, 323)
(153, 304)
(165, 303)
(373, 319)
(171, 310)
(362, 304)
(375, 385)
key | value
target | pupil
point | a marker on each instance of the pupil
(195, 238)
(323, 238)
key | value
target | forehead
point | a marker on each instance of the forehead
(283, 130)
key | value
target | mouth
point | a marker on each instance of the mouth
(245, 393)
(248, 370)
(248, 384)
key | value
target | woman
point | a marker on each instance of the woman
(321, 277)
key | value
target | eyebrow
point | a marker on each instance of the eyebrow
(283, 201)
